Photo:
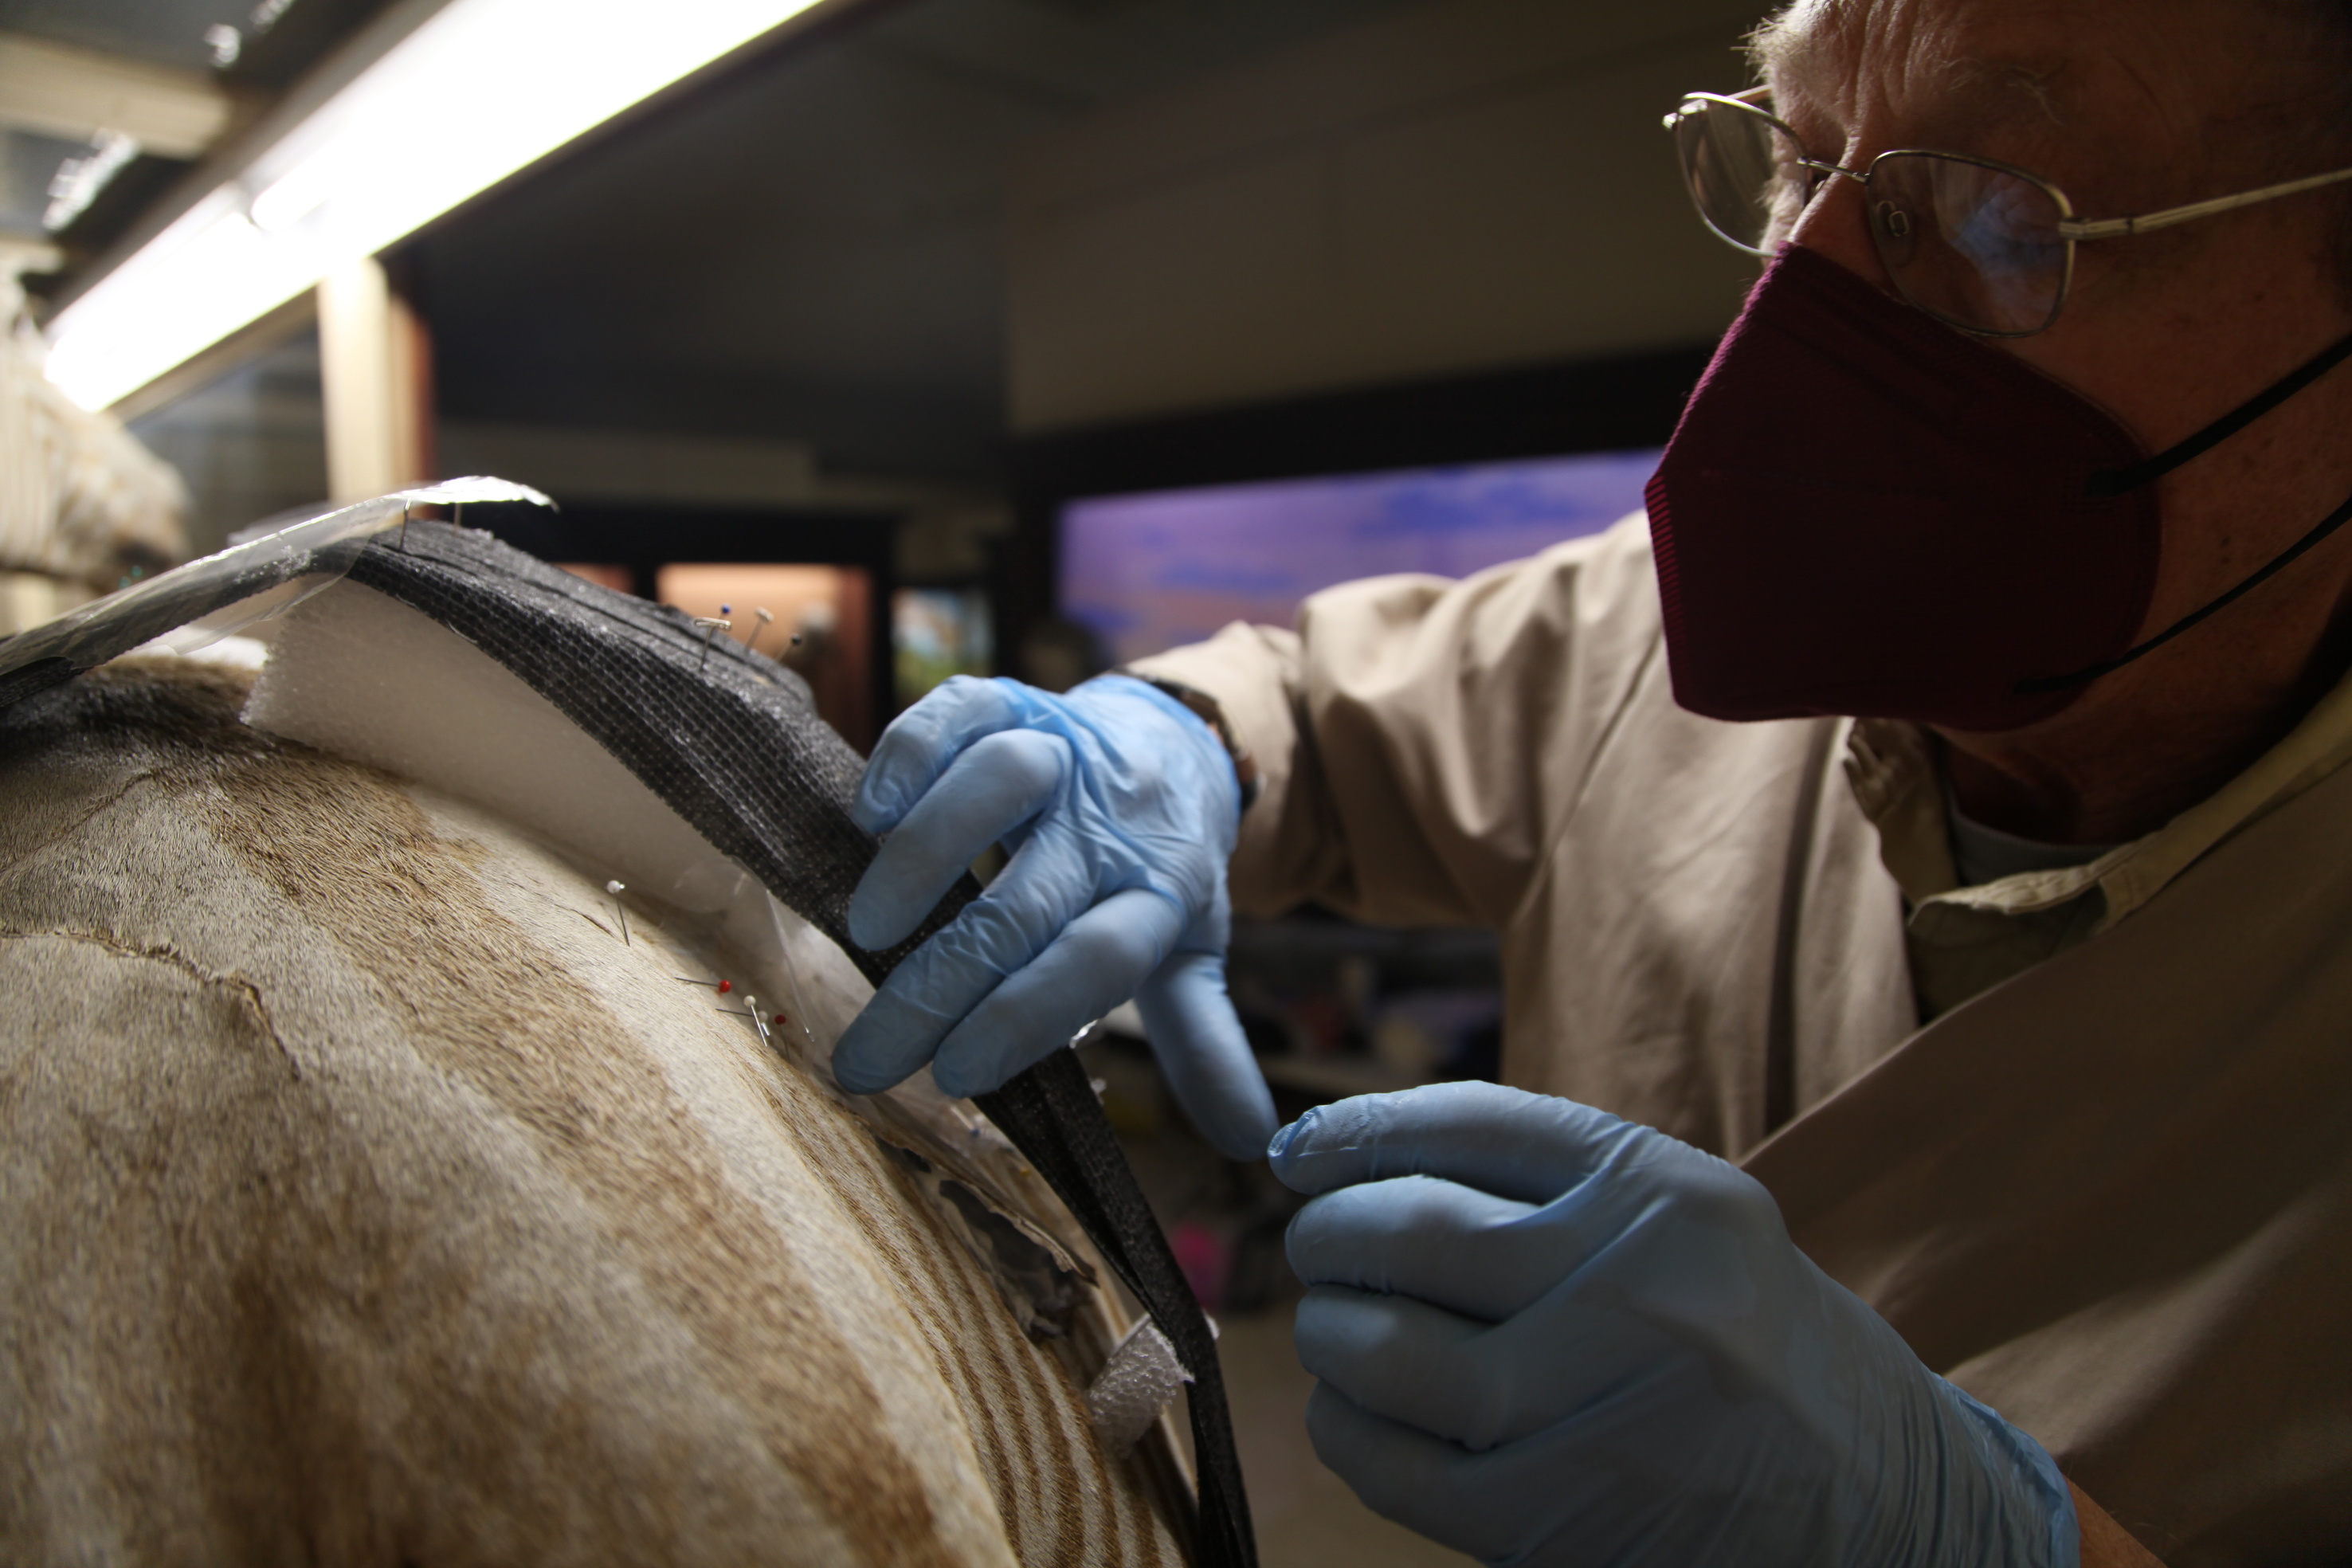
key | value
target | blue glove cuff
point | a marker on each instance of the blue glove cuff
(2027, 1476)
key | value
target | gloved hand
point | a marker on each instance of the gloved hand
(1548, 1336)
(1121, 807)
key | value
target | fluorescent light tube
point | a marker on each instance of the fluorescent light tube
(478, 90)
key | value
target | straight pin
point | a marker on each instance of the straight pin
(759, 1019)
(616, 889)
(766, 620)
(404, 529)
(711, 626)
(722, 987)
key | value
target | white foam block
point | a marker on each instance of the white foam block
(362, 676)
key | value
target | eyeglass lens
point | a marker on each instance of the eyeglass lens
(1741, 170)
(1977, 247)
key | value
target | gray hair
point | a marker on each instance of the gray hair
(2285, 143)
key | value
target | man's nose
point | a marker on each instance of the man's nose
(1835, 225)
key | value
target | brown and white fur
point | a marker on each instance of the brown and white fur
(367, 1197)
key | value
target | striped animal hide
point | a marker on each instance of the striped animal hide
(368, 1195)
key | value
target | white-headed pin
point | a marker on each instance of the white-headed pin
(750, 1010)
(616, 889)
(711, 626)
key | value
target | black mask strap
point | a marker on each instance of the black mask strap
(2115, 481)
(2280, 563)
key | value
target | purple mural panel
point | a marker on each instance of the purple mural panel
(1148, 571)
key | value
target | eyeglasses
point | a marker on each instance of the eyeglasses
(1981, 245)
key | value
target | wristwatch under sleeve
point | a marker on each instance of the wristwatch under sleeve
(1210, 711)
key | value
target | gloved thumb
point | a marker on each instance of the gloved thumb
(1189, 1020)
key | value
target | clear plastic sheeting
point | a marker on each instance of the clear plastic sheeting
(195, 606)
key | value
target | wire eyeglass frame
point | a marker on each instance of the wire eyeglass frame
(2067, 231)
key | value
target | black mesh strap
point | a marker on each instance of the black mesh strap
(1051, 1114)
(731, 741)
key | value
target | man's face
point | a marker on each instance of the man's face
(2127, 106)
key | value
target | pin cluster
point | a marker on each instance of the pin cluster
(760, 1020)
(724, 988)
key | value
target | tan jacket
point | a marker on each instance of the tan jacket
(2111, 1196)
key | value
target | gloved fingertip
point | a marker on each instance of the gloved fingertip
(881, 799)
(960, 1078)
(860, 1067)
(991, 1049)
(1228, 1102)
(870, 815)
(871, 926)
(1243, 1139)
(857, 1078)
(1284, 1137)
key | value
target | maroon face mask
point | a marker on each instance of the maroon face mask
(1866, 513)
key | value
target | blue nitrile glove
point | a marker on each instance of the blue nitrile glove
(1548, 1336)
(1121, 807)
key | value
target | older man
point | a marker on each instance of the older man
(2015, 490)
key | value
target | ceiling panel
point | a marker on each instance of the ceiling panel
(811, 247)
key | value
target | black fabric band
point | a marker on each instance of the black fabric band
(2278, 563)
(2116, 481)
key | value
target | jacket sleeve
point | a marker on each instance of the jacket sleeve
(1422, 741)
